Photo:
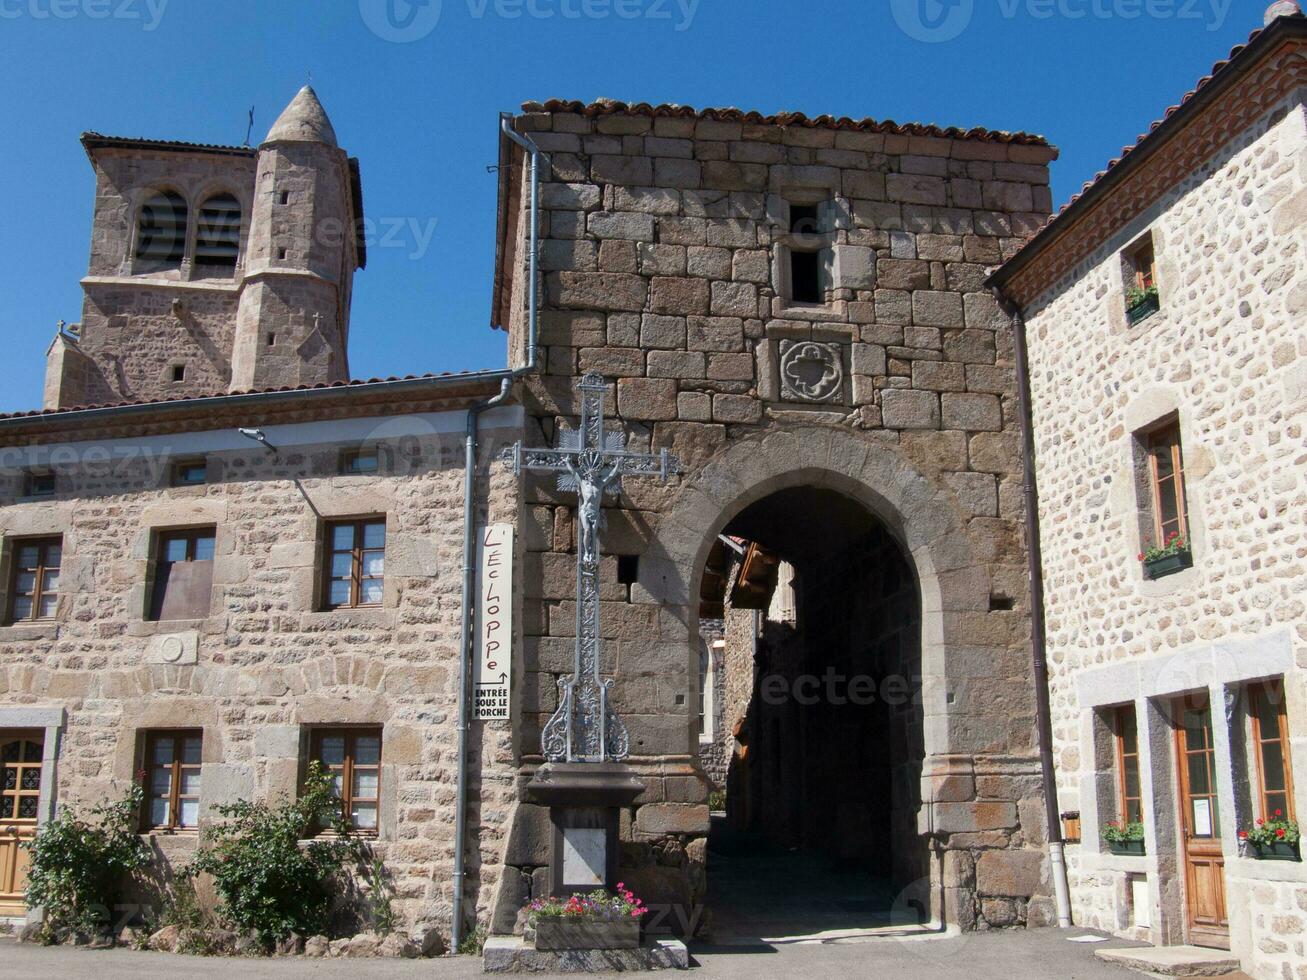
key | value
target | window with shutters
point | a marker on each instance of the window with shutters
(1125, 733)
(34, 581)
(218, 235)
(355, 563)
(172, 779)
(1271, 744)
(352, 756)
(161, 230)
(1166, 475)
(183, 574)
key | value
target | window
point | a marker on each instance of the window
(1139, 270)
(805, 260)
(20, 787)
(1144, 265)
(353, 757)
(628, 569)
(179, 372)
(354, 461)
(39, 483)
(1125, 733)
(1271, 743)
(218, 233)
(356, 556)
(34, 587)
(1166, 479)
(189, 473)
(172, 766)
(183, 574)
(161, 229)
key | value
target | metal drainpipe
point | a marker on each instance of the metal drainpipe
(465, 645)
(1039, 644)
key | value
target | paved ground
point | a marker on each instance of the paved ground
(1043, 953)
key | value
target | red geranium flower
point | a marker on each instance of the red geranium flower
(1279, 832)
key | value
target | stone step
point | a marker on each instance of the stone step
(1173, 961)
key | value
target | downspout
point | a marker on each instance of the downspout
(466, 641)
(1038, 630)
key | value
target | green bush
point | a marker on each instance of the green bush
(78, 867)
(267, 881)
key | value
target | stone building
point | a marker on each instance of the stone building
(214, 579)
(1168, 367)
(796, 307)
(221, 559)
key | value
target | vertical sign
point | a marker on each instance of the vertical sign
(494, 623)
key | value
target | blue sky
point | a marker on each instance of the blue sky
(420, 112)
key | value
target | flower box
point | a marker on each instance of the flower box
(578, 932)
(1131, 848)
(1156, 568)
(1143, 308)
(1274, 852)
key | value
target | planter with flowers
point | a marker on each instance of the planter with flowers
(598, 920)
(1172, 557)
(1272, 840)
(1124, 838)
(1141, 303)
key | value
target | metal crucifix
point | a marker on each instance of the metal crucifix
(591, 462)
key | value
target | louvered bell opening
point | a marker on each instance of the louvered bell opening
(162, 234)
(218, 236)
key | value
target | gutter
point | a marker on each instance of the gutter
(1038, 627)
(466, 638)
(242, 400)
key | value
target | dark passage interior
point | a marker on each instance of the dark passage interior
(818, 616)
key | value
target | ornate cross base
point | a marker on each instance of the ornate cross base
(584, 800)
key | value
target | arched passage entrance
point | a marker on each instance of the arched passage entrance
(977, 801)
(816, 732)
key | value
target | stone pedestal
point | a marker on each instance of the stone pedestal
(584, 801)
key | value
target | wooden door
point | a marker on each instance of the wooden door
(20, 792)
(1202, 856)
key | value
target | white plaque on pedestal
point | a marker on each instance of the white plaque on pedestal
(584, 858)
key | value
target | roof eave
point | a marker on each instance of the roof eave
(56, 420)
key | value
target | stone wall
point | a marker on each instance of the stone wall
(269, 665)
(666, 269)
(1226, 353)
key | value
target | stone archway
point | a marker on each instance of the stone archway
(980, 796)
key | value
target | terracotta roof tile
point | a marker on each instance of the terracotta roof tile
(609, 107)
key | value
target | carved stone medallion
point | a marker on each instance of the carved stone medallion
(811, 371)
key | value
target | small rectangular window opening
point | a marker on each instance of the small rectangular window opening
(283, 197)
(272, 340)
(281, 253)
(39, 483)
(179, 372)
(190, 473)
(805, 277)
(1001, 603)
(359, 461)
(628, 569)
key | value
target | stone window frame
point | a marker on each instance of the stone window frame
(1252, 799)
(1147, 489)
(30, 489)
(326, 554)
(1133, 274)
(823, 242)
(310, 750)
(177, 467)
(157, 536)
(147, 738)
(9, 577)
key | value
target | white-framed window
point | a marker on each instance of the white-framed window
(710, 657)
